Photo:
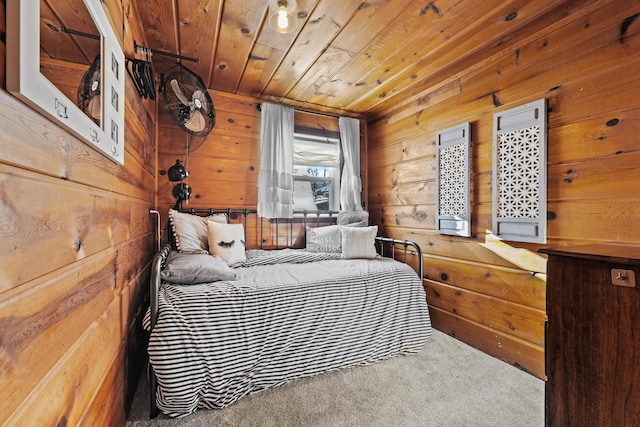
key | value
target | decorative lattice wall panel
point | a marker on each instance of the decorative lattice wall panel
(520, 173)
(453, 214)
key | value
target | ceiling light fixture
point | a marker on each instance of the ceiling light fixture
(282, 16)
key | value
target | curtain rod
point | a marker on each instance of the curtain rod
(259, 108)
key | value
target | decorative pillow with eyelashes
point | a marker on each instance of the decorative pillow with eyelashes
(190, 231)
(226, 241)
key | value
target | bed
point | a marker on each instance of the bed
(225, 326)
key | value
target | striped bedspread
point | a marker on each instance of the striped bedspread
(215, 343)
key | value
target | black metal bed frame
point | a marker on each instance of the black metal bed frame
(385, 246)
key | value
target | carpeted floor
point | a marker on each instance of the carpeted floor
(446, 384)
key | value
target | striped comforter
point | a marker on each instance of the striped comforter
(215, 343)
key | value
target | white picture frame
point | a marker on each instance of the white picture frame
(26, 82)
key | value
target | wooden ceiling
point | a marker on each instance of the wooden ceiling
(348, 57)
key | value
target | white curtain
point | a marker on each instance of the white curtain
(275, 179)
(350, 186)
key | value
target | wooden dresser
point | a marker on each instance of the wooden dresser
(592, 350)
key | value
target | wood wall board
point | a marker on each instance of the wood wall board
(114, 11)
(67, 75)
(140, 127)
(140, 248)
(494, 313)
(420, 216)
(62, 396)
(592, 137)
(207, 193)
(414, 193)
(174, 142)
(417, 170)
(589, 179)
(587, 77)
(614, 220)
(419, 145)
(481, 249)
(65, 188)
(53, 313)
(510, 284)
(87, 223)
(46, 148)
(600, 220)
(311, 120)
(96, 412)
(235, 103)
(520, 353)
(226, 124)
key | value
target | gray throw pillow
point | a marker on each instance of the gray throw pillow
(191, 269)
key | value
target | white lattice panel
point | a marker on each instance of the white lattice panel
(453, 194)
(452, 199)
(519, 173)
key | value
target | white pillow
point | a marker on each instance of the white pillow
(324, 239)
(226, 241)
(359, 242)
(190, 231)
(353, 218)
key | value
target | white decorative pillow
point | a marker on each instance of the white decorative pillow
(190, 231)
(191, 269)
(353, 218)
(359, 242)
(226, 241)
(324, 239)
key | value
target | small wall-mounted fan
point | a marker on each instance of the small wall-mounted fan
(89, 91)
(188, 101)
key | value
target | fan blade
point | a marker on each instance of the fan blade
(197, 122)
(93, 108)
(178, 91)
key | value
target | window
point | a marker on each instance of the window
(316, 170)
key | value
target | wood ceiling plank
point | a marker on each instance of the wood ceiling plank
(472, 31)
(495, 32)
(263, 60)
(198, 33)
(325, 22)
(268, 52)
(447, 68)
(238, 30)
(366, 24)
(159, 22)
(414, 34)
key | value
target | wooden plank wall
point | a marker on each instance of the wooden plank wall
(76, 243)
(491, 293)
(223, 166)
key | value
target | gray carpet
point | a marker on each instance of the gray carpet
(447, 384)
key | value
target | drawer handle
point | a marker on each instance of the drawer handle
(626, 278)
